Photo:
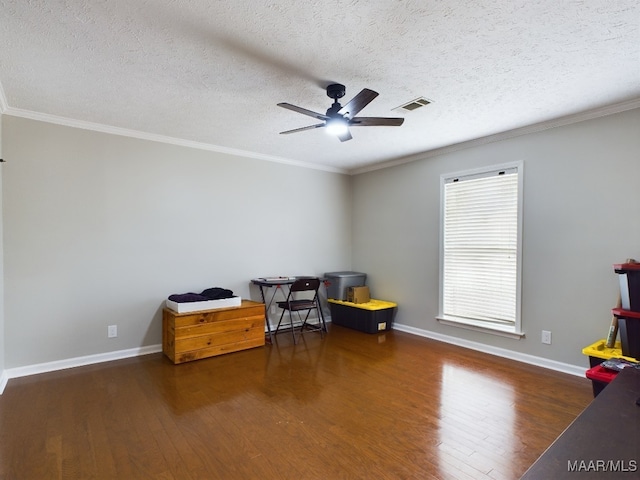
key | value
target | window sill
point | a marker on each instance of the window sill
(479, 326)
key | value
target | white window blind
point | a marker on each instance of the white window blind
(480, 247)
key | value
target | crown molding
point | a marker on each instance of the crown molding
(537, 127)
(498, 137)
(98, 127)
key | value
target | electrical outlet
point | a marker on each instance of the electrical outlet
(546, 337)
(112, 331)
(273, 309)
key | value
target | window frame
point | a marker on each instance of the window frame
(509, 331)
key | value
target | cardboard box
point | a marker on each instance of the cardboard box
(358, 294)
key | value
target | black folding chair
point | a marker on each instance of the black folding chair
(303, 296)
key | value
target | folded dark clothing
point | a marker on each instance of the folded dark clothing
(217, 293)
(188, 297)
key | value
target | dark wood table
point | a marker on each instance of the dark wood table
(603, 442)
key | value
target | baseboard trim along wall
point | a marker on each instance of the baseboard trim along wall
(3, 381)
(75, 362)
(10, 373)
(499, 352)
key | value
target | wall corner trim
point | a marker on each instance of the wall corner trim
(499, 352)
(75, 362)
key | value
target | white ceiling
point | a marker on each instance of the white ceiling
(209, 73)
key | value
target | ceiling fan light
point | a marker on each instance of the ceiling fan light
(337, 126)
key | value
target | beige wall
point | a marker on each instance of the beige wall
(2, 335)
(100, 229)
(581, 210)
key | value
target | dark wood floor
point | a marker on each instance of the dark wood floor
(349, 406)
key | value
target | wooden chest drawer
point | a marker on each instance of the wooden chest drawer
(218, 315)
(195, 335)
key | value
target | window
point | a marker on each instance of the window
(480, 249)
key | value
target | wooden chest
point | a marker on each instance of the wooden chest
(195, 335)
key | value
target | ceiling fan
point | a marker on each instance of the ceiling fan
(338, 119)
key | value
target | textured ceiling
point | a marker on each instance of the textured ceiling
(210, 73)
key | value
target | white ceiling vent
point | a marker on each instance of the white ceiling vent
(413, 105)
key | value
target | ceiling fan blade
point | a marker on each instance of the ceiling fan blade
(304, 111)
(376, 121)
(302, 129)
(357, 103)
(345, 136)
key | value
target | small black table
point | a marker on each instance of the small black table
(603, 442)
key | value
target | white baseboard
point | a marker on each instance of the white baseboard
(500, 352)
(10, 373)
(74, 362)
(3, 380)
